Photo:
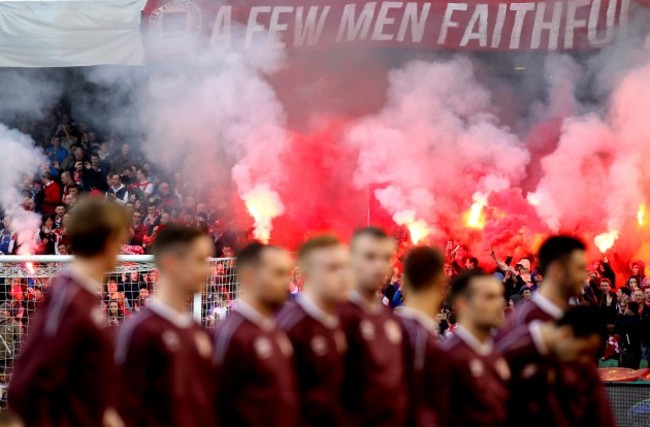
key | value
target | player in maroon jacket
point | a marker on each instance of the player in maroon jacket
(563, 264)
(164, 357)
(374, 390)
(254, 358)
(312, 325)
(65, 374)
(426, 365)
(479, 391)
(538, 353)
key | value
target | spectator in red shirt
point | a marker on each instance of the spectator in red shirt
(52, 194)
(165, 358)
(65, 375)
(138, 230)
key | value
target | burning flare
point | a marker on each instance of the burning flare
(418, 229)
(640, 214)
(605, 241)
(264, 205)
(474, 217)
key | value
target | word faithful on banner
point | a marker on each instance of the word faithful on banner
(492, 25)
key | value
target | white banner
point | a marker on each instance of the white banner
(62, 33)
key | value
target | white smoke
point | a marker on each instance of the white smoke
(214, 115)
(20, 161)
(437, 138)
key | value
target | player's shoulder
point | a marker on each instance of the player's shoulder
(452, 345)
(143, 323)
(515, 340)
(290, 316)
(231, 333)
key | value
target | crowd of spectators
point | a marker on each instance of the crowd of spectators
(80, 161)
(625, 308)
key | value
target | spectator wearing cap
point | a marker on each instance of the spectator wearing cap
(52, 194)
(117, 191)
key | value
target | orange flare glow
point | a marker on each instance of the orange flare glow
(605, 241)
(264, 205)
(475, 218)
(418, 229)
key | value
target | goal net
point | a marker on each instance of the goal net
(23, 280)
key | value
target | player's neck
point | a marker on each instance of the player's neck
(368, 296)
(258, 306)
(92, 268)
(426, 305)
(550, 291)
(319, 302)
(481, 334)
(171, 295)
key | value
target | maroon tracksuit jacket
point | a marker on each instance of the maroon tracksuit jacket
(256, 384)
(65, 374)
(427, 371)
(374, 390)
(535, 384)
(479, 375)
(167, 374)
(580, 392)
(319, 346)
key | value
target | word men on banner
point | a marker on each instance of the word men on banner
(475, 25)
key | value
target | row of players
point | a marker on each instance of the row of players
(335, 357)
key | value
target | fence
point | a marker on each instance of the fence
(23, 280)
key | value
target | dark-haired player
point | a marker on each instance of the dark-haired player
(426, 365)
(562, 262)
(164, 357)
(312, 325)
(65, 374)
(374, 391)
(538, 353)
(478, 371)
(254, 358)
